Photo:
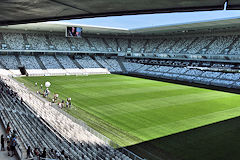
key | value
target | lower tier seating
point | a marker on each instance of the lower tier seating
(215, 78)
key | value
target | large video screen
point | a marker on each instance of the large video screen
(74, 32)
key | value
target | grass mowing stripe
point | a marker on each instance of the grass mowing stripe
(149, 104)
(166, 115)
(131, 89)
(183, 125)
(130, 97)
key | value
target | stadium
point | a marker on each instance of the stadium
(86, 92)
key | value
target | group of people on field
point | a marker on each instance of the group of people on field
(61, 104)
(66, 103)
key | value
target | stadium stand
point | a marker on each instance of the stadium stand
(60, 42)
(98, 44)
(217, 78)
(216, 74)
(182, 44)
(137, 45)
(199, 44)
(131, 67)
(9, 61)
(87, 62)
(114, 64)
(96, 55)
(220, 44)
(166, 45)
(214, 44)
(81, 44)
(14, 40)
(49, 62)
(53, 68)
(111, 64)
(29, 62)
(152, 45)
(112, 43)
(37, 41)
(123, 44)
(66, 62)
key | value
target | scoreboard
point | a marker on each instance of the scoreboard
(74, 32)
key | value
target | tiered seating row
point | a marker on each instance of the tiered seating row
(229, 80)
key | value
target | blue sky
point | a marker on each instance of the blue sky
(152, 20)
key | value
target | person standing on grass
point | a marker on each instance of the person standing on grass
(63, 103)
(67, 104)
(41, 86)
(59, 105)
(55, 97)
(2, 143)
(47, 92)
(35, 84)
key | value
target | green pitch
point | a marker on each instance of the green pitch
(131, 110)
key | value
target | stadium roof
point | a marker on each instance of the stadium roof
(61, 27)
(156, 30)
(25, 11)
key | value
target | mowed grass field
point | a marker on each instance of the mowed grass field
(132, 110)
